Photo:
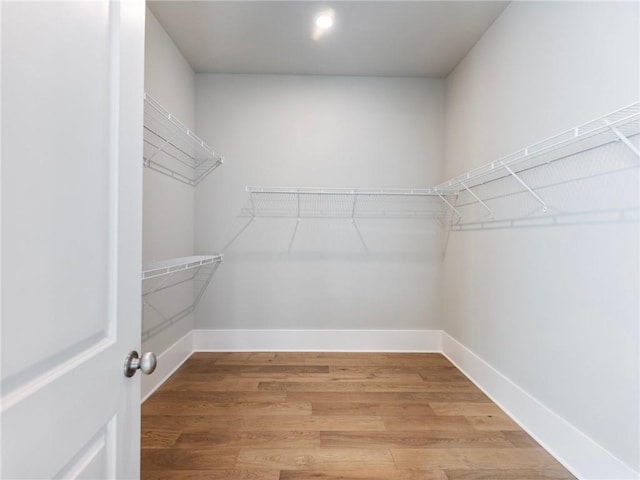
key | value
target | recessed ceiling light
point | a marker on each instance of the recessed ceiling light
(324, 21)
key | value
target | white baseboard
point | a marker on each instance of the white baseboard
(576, 451)
(317, 340)
(168, 362)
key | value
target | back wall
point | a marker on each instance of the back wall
(305, 131)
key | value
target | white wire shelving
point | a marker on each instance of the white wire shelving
(180, 264)
(193, 273)
(617, 126)
(170, 148)
(441, 201)
(348, 203)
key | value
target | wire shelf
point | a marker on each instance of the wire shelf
(174, 265)
(445, 201)
(615, 126)
(172, 149)
(348, 203)
(188, 277)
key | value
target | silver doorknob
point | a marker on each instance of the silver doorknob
(146, 364)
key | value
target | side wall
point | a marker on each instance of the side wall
(311, 131)
(554, 308)
(168, 205)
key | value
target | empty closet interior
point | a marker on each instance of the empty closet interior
(456, 177)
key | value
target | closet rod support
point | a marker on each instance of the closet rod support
(624, 139)
(478, 199)
(513, 174)
(450, 206)
(253, 206)
(293, 237)
(364, 244)
(353, 208)
(161, 147)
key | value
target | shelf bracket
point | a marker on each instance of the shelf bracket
(353, 207)
(293, 237)
(450, 206)
(364, 244)
(164, 284)
(624, 139)
(166, 323)
(253, 206)
(513, 174)
(205, 283)
(478, 199)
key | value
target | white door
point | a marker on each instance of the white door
(71, 184)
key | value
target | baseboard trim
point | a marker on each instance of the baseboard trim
(581, 455)
(168, 362)
(317, 340)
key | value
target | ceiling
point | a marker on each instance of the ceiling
(377, 38)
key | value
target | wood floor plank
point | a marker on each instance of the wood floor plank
(472, 458)
(370, 373)
(427, 424)
(519, 438)
(315, 423)
(388, 397)
(199, 406)
(365, 474)
(187, 459)
(214, 384)
(159, 438)
(326, 459)
(191, 422)
(335, 359)
(435, 439)
(328, 378)
(493, 423)
(249, 439)
(558, 473)
(374, 386)
(246, 370)
(228, 358)
(273, 423)
(380, 409)
(441, 374)
(466, 409)
(211, 475)
(170, 395)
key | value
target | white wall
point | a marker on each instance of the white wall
(319, 131)
(555, 309)
(168, 205)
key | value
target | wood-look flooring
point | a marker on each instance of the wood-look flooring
(332, 416)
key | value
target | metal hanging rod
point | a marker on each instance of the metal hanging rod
(170, 148)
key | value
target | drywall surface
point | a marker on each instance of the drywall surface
(168, 205)
(553, 306)
(313, 131)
